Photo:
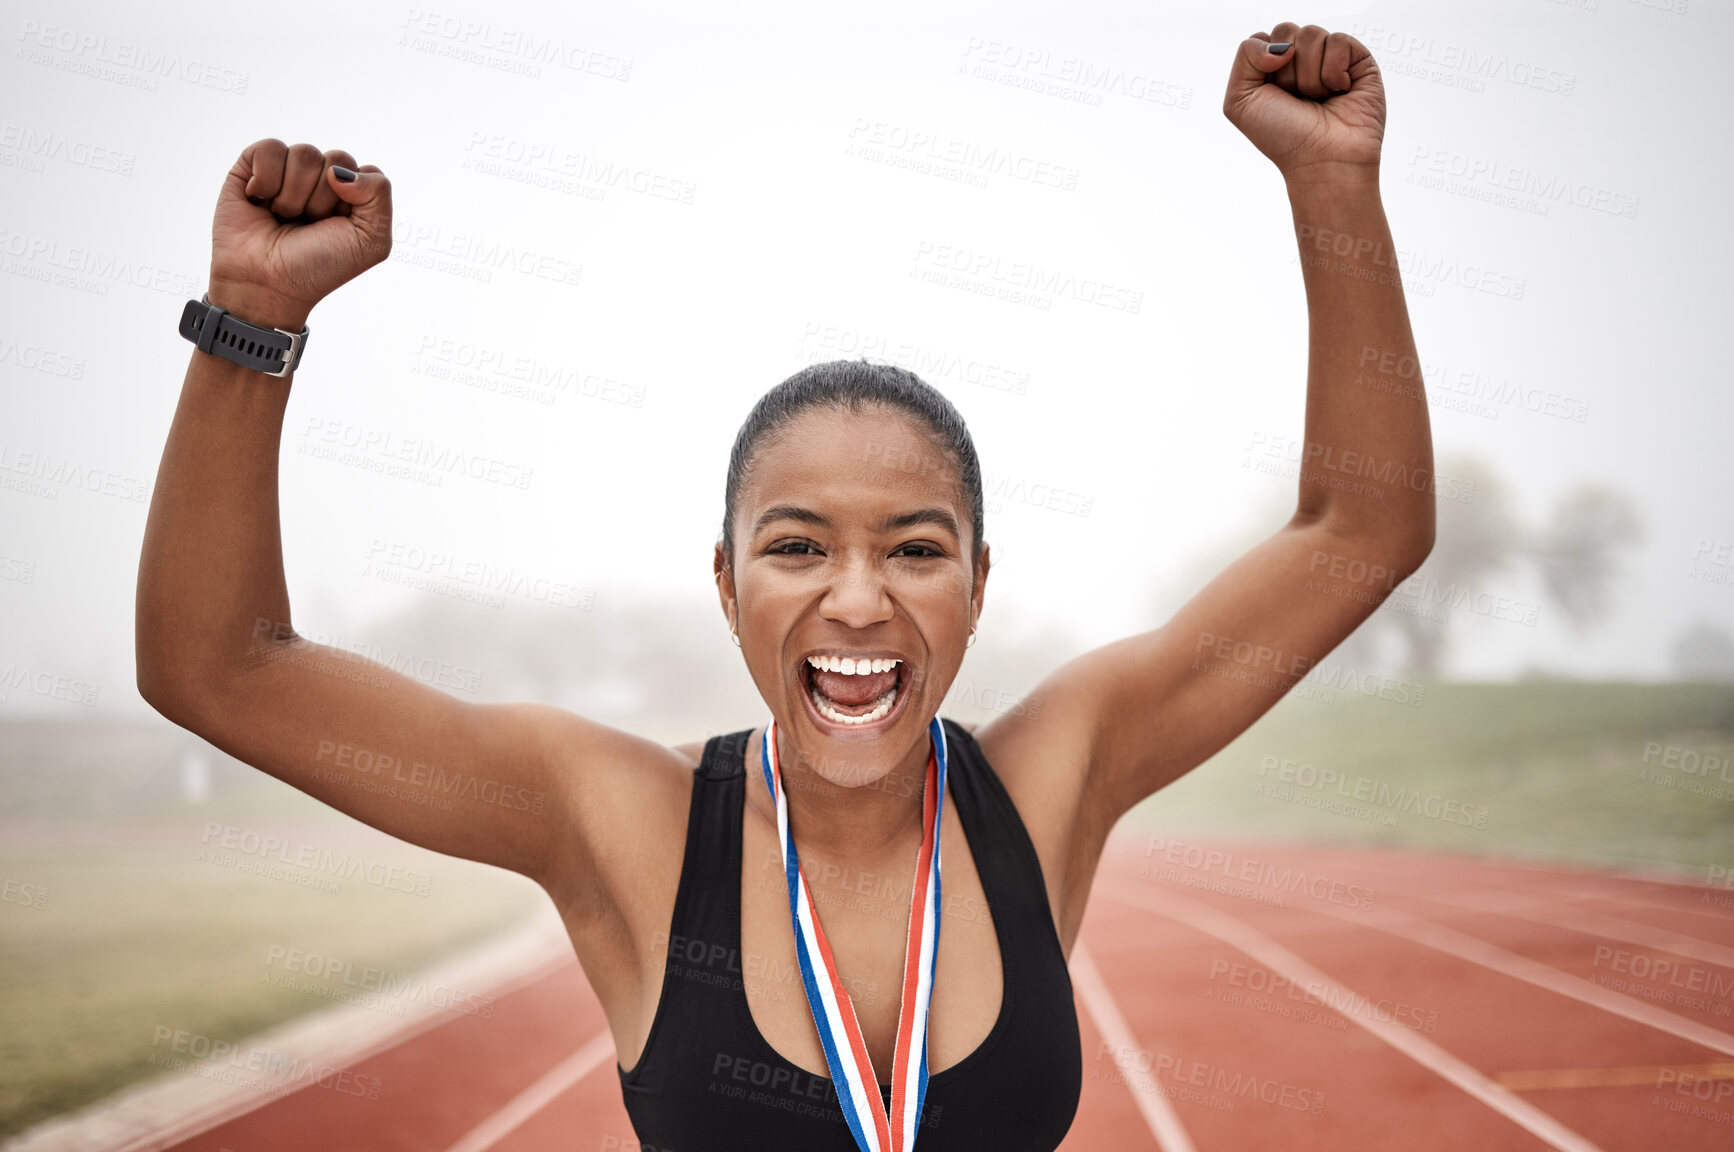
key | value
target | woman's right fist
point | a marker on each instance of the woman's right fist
(289, 229)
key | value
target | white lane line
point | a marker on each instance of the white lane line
(174, 1107)
(538, 1095)
(1429, 1055)
(1550, 911)
(1406, 926)
(1158, 1113)
(1551, 905)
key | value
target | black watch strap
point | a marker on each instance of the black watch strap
(273, 351)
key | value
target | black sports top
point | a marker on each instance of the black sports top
(708, 1080)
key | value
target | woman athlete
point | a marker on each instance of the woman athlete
(756, 988)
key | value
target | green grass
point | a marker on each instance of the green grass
(1555, 765)
(132, 938)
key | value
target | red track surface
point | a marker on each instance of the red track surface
(1473, 1005)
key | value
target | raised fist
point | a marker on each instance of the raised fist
(1316, 109)
(289, 230)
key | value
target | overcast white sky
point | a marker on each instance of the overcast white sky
(705, 173)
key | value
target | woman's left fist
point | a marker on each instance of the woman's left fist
(1316, 109)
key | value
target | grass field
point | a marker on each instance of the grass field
(145, 926)
(1546, 770)
(136, 930)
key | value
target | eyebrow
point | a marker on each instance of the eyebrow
(938, 517)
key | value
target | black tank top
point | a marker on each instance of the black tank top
(708, 1080)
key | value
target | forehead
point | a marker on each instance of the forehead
(875, 458)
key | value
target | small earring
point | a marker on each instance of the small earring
(736, 637)
(970, 643)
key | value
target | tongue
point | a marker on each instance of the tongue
(854, 690)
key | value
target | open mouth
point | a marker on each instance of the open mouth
(854, 694)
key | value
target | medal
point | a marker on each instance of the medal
(833, 1012)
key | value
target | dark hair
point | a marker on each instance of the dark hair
(851, 386)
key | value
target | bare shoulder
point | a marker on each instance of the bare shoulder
(1040, 751)
(624, 800)
(626, 807)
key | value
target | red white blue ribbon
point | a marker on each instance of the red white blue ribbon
(833, 1012)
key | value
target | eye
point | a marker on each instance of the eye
(926, 550)
(782, 549)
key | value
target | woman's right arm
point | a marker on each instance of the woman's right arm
(525, 786)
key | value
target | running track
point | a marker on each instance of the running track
(1395, 999)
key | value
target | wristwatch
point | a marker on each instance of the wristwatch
(273, 351)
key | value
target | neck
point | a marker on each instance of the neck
(859, 824)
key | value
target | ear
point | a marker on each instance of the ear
(725, 586)
(978, 598)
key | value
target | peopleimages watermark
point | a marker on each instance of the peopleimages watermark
(1664, 981)
(1704, 1088)
(425, 783)
(1506, 185)
(836, 341)
(1463, 389)
(252, 1067)
(120, 61)
(25, 893)
(36, 358)
(87, 269)
(17, 569)
(36, 146)
(884, 895)
(374, 980)
(1713, 562)
(1065, 77)
(471, 257)
(787, 1089)
(519, 51)
(1687, 770)
(1369, 582)
(1415, 801)
(1475, 65)
(277, 641)
(47, 476)
(1016, 281)
(273, 854)
(551, 165)
(724, 966)
(381, 450)
(1002, 489)
(991, 699)
(1287, 879)
(1323, 680)
(1195, 1081)
(1273, 453)
(447, 573)
(53, 685)
(517, 374)
(1247, 982)
(1418, 272)
(940, 154)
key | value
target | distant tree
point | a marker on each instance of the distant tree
(1575, 552)
(1704, 651)
(1480, 550)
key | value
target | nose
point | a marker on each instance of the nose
(856, 594)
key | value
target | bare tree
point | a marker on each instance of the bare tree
(1479, 555)
(1704, 651)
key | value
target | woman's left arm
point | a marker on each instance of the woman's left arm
(1143, 711)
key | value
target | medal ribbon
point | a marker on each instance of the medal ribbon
(833, 1011)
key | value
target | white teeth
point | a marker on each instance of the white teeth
(881, 707)
(849, 666)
